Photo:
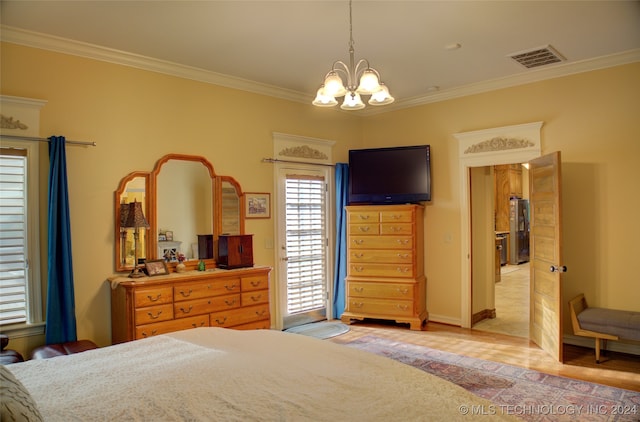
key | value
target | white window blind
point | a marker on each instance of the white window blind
(13, 236)
(306, 243)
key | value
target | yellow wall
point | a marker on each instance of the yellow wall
(592, 118)
(137, 116)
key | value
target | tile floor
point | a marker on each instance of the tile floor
(512, 303)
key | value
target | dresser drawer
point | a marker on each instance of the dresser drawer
(377, 307)
(396, 216)
(396, 228)
(257, 282)
(381, 242)
(158, 328)
(364, 228)
(239, 316)
(154, 314)
(380, 270)
(153, 296)
(255, 297)
(375, 255)
(200, 289)
(358, 217)
(380, 290)
(206, 305)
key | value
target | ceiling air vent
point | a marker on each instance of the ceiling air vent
(537, 57)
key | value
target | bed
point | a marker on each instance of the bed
(210, 374)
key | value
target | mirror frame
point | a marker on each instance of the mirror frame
(150, 203)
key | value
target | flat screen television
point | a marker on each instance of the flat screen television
(395, 175)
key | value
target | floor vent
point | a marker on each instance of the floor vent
(541, 56)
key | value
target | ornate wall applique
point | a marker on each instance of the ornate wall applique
(304, 151)
(499, 143)
(9, 123)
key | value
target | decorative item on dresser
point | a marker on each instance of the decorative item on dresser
(235, 251)
(218, 298)
(385, 266)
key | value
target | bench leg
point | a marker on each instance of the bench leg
(597, 350)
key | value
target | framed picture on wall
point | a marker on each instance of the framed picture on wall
(257, 205)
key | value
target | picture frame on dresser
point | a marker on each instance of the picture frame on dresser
(257, 205)
(156, 267)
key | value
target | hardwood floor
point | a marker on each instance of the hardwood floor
(617, 369)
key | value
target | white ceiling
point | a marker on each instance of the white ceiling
(292, 44)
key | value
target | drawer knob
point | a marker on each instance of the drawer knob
(403, 255)
(403, 307)
(260, 313)
(186, 311)
(358, 269)
(256, 283)
(363, 217)
(403, 241)
(364, 228)
(154, 299)
(359, 289)
(396, 229)
(358, 241)
(403, 291)
(153, 333)
(230, 288)
(403, 270)
(256, 298)
(358, 255)
(194, 325)
(221, 322)
(357, 304)
(230, 302)
(156, 316)
(186, 294)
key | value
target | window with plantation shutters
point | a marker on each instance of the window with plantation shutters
(19, 292)
(305, 242)
(13, 263)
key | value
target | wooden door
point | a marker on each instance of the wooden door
(545, 321)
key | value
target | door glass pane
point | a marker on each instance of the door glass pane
(305, 243)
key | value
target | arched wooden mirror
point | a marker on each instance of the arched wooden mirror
(183, 200)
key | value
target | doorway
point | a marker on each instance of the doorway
(304, 258)
(504, 307)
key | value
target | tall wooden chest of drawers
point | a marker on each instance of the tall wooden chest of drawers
(385, 264)
(150, 306)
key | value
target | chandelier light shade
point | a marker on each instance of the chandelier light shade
(361, 79)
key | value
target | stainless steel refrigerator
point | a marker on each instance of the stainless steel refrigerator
(519, 231)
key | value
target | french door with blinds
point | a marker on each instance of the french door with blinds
(304, 272)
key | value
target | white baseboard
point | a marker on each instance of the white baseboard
(614, 346)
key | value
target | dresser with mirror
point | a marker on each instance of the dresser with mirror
(183, 201)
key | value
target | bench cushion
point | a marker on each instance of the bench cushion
(624, 324)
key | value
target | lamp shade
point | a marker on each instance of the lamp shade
(381, 97)
(324, 100)
(333, 85)
(369, 82)
(352, 101)
(134, 216)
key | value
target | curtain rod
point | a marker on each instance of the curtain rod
(276, 160)
(31, 138)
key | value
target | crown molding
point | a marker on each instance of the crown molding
(76, 48)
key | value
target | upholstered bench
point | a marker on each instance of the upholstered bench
(61, 349)
(8, 356)
(603, 323)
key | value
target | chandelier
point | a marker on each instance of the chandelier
(367, 78)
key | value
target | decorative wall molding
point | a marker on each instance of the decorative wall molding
(302, 148)
(303, 151)
(9, 123)
(499, 143)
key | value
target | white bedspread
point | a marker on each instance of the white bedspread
(216, 374)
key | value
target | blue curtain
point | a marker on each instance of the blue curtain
(342, 190)
(61, 316)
